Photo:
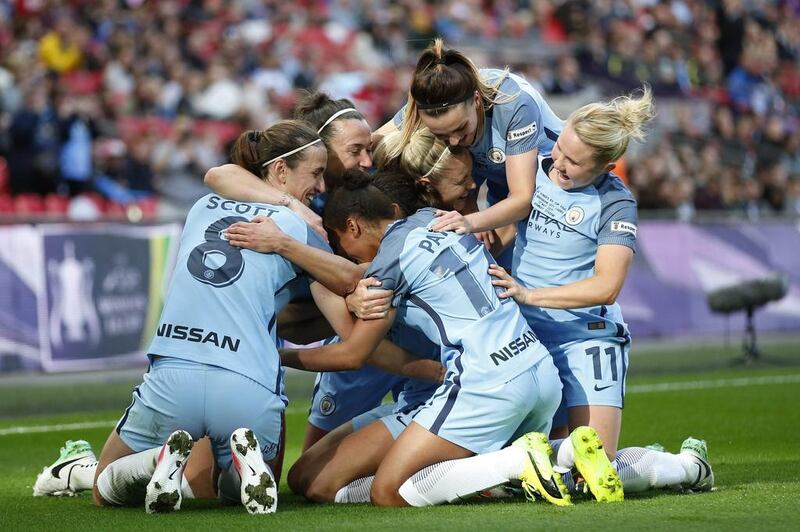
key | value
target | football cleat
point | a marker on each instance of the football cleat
(503, 491)
(55, 479)
(656, 447)
(259, 492)
(601, 478)
(697, 451)
(538, 477)
(164, 490)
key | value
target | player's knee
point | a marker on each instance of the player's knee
(611, 452)
(295, 479)
(101, 491)
(320, 491)
(97, 500)
(385, 494)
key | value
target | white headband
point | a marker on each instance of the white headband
(288, 153)
(334, 116)
(429, 172)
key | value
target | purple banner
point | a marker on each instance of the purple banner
(77, 297)
(677, 264)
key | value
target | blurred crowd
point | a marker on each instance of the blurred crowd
(127, 102)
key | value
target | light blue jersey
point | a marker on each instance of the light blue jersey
(522, 123)
(414, 391)
(557, 245)
(442, 288)
(223, 301)
(342, 396)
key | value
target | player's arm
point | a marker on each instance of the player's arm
(263, 235)
(611, 268)
(520, 175)
(234, 182)
(349, 354)
(362, 343)
(390, 357)
(503, 239)
(302, 323)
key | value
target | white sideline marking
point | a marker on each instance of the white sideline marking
(634, 389)
(55, 428)
(708, 384)
(90, 425)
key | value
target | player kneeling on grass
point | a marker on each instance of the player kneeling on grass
(215, 368)
(500, 384)
(567, 281)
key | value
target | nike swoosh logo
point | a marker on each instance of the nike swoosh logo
(603, 388)
(173, 473)
(57, 469)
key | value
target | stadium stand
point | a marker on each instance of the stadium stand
(135, 99)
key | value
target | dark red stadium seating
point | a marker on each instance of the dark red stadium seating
(6, 204)
(29, 204)
(56, 204)
(149, 207)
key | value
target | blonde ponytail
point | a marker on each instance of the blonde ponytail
(608, 127)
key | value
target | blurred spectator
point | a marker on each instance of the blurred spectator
(60, 48)
(34, 145)
(180, 161)
(124, 175)
(76, 132)
(137, 83)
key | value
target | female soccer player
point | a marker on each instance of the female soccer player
(214, 362)
(570, 262)
(338, 397)
(444, 181)
(500, 381)
(498, 116)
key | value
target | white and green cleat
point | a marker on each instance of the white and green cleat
(697, 451)
(600, 477)
(164, 489)
(538, 477)
(259, 491)
(56, 478)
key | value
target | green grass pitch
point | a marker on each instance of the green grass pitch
(748, 414)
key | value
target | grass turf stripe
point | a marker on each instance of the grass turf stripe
(632, 389)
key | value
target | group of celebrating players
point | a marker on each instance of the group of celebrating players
(496, 331)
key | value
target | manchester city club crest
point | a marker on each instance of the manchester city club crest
(496, 155)
(574, 216)
(327, 405)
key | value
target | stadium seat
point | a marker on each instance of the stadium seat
(6, 204)
(149, 207)
(56, 204)
(82, 82)
(116, 210)
(29, 204)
